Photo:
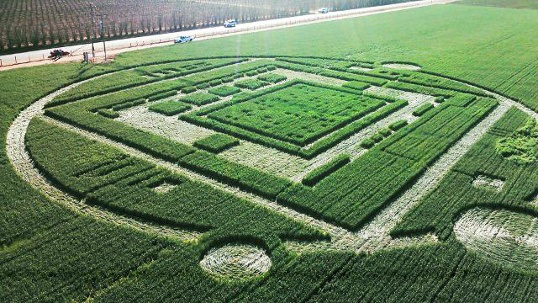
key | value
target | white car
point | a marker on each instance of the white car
(323, 10)
(184, 39)
(230, 23)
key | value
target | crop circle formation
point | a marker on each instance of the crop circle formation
(348, 149)
(236, 261)
(502, 236)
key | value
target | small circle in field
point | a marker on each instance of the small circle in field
(236, 262)
(402, 66)
(504, 237)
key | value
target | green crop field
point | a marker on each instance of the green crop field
(387, 158)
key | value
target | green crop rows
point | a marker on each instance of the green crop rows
(251, 84)
(298, 114)
(436, 209)
(216, 143)
(200, 98)
(321, 172)
(349, 198)
(224, 90)
(113, 180)
(299, 117)
(169, 108)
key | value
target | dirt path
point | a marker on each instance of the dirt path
(114, 47)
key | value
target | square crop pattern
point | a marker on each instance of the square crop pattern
(298, 114)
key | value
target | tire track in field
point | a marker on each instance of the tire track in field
(527, 69)
(25, 168)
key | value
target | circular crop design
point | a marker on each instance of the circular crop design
(236, 261)
(279, 139)
(502, 236)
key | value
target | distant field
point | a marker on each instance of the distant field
(501, 57)
(532, 4)
(26, 24)
(390, 158)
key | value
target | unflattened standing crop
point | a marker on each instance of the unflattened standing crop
(522, 146)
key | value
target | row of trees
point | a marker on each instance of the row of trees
(28, 24)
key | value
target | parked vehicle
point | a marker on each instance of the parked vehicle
(57, 54)
(323, 10)
(184, 39)
(230, 23)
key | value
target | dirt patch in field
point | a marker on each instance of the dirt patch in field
(489, 183)
(402, 66)
(236, 262)
(266, 159)
(360, 68)
(501, 236)
(164, 188)
(168, 127)
(308, 77)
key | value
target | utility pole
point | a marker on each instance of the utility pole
(103, 16)
(93, 29)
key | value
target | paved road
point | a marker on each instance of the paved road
(117, 46)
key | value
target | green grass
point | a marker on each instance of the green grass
(397, 125)
(526, 4)
(379, 136)
(421, 110)
(109, 113)
(323, 171)
(356, 85)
